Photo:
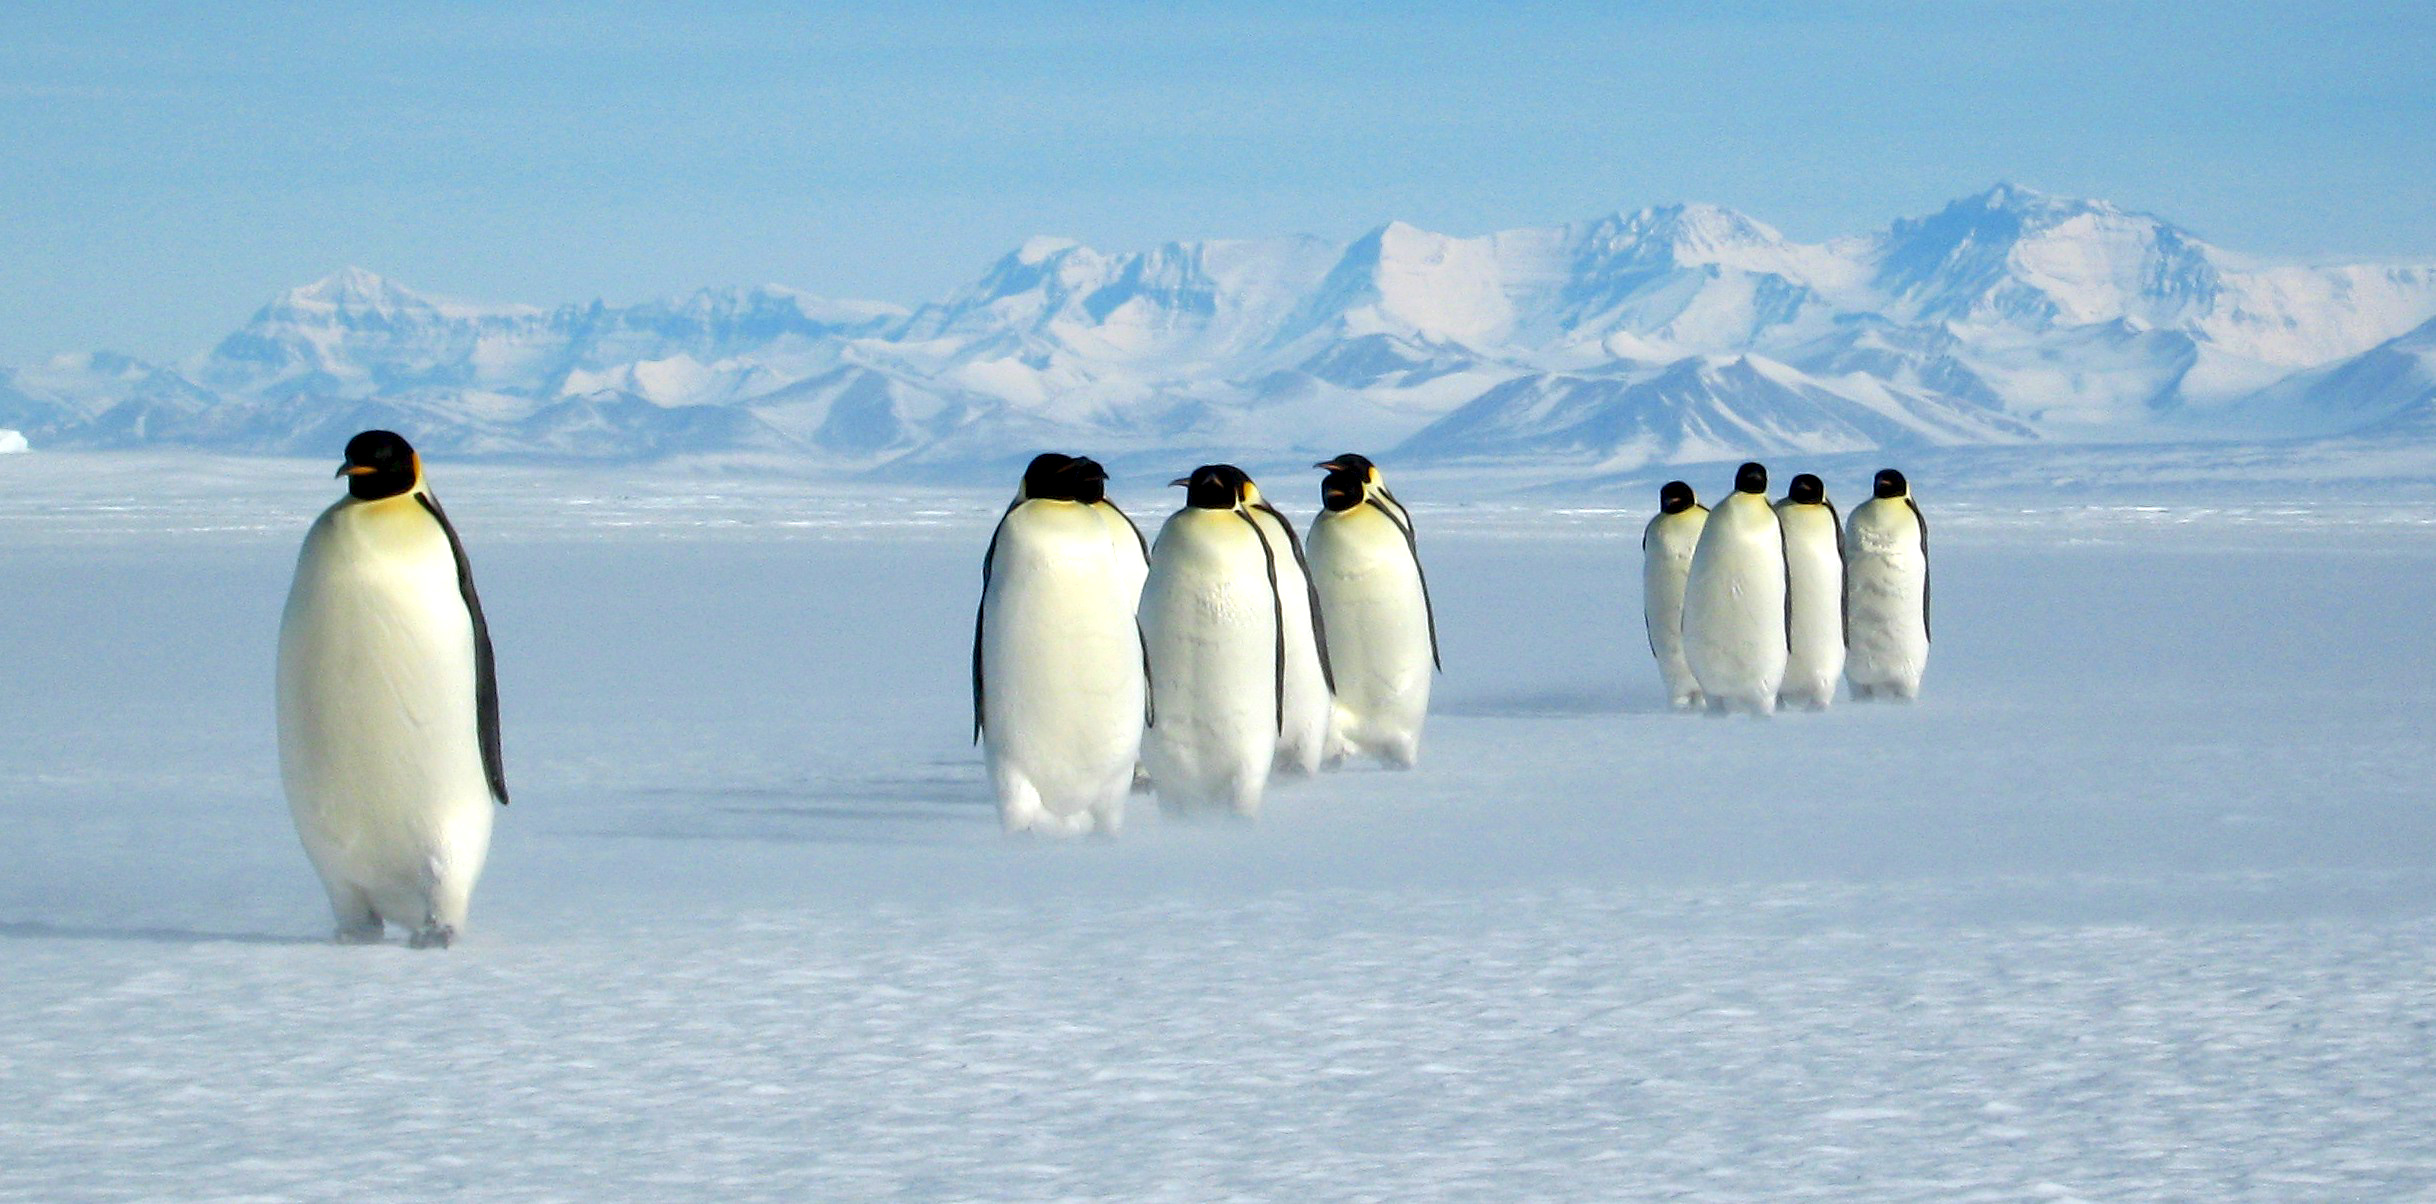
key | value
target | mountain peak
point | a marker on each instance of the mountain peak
(1038, 248)
(2005, 194)
(349, 286)
(2028, 208)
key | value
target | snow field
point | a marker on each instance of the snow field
(2138, 901)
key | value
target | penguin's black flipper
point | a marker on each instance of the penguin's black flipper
(486, 668)
(1843, 595)
(1922, 519)
(981, 609)
(1394, 510)
(1319, 624)
(1277, 599)
(1784, 557)
(1150, 700)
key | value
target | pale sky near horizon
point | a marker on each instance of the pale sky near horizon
(164, 170)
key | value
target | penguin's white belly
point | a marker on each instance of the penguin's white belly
(1814, 572)
(379, 744)
(1303, 736)
(1378, 631)
(1061, 670)
(1666, 566)
(1209, 619)
(1886, 581)
(1734, 606)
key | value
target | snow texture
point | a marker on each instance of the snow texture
(2139, 900)
(1671, 334)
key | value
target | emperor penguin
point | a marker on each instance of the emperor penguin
(1734, 635)
(1310, 698)
(1886, 592)
(388, 704)
(1814, 581)
(1374, 598)
(1058, 664)
(1214, 617)
(1666, 561)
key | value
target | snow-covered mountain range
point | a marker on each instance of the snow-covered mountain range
(1679, 333)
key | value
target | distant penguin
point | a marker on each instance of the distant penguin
(1382, 632)
(1058, 689)
(1886, 592)
(1214, 620)
(1734, 600)
(1814, 579)
(1666, 561)
(388, 705)
(1302, 738)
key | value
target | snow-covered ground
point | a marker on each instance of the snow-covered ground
(2138, 902)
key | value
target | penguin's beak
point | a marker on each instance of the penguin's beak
(1180, 483)
(354, 470)
(1330, 465)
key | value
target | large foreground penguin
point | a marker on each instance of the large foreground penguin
(1814, 579)
(1666, 564)
(1886, 591)
(1310, 697)
(1214, 620)
(1382, 633)
(1058, 689)
(388, 707)
(1734, 600)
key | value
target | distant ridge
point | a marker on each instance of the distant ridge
(1667, 334)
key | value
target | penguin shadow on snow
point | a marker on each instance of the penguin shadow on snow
(1560, 702)
(41, 931)
(929, 807)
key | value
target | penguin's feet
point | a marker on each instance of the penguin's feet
(432, 936)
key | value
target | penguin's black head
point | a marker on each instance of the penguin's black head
(1062, 478)
(1090, 480)
(1346, 483)
(1806, 490)
(379, 464)
(1215, 487)
(1751, 478)
(1891, 484)
(1675, 497)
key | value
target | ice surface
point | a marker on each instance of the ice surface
(2139, 901)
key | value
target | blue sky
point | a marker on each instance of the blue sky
(164, 171)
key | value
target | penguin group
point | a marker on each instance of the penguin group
(1199, 664)
(1755, 605)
